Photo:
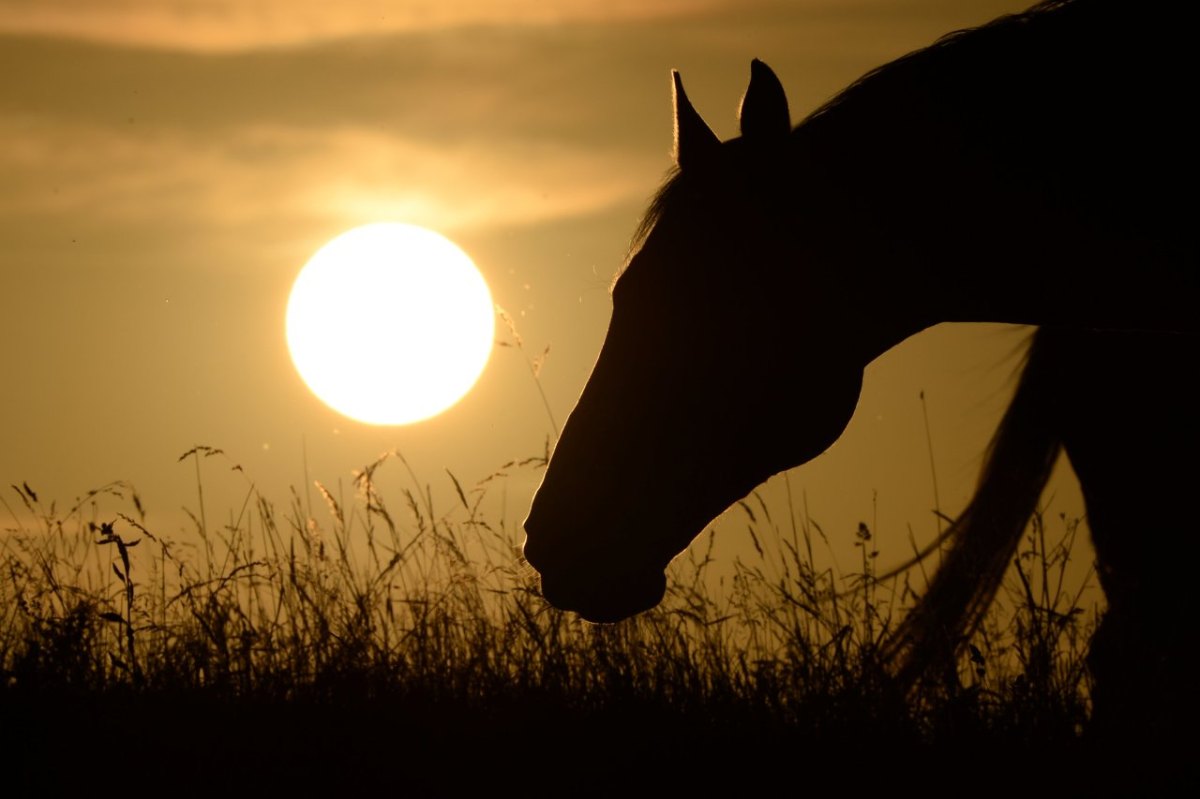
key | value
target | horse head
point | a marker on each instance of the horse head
(703, 388)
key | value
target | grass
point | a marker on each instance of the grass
(380, 635)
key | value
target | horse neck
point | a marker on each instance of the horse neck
(964, 184)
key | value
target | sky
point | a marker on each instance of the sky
(168, 166)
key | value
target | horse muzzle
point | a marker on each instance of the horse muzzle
(598, 586)
(605, 597)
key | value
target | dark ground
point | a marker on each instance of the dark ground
(196, 744)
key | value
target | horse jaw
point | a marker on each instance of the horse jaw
(602, 545)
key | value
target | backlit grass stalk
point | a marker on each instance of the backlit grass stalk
(125, 575)
(392, 596)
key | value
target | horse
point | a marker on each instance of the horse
(1037, 170)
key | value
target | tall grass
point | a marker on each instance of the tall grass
(389, 601)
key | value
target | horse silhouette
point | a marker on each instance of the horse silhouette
(1040, 170)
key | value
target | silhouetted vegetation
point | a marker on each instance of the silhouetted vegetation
(380, 635)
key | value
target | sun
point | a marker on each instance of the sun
(390, 323)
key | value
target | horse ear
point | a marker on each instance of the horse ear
(694, 140)
(764, 111)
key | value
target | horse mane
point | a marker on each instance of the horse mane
(1017, 467)
(878, 82)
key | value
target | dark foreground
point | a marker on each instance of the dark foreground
(415, 745)
(411, 653)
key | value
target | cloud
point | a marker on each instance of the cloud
(264, 176)
(470, 129)
(224, 25)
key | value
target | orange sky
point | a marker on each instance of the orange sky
(166, 167)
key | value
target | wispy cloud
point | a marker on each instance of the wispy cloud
(449, 130)
(463, 130)
(221, 25)
(266, 176)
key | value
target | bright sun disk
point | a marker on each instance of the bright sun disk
(390, 323)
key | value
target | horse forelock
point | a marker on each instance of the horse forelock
(683, 191)
(664, 196)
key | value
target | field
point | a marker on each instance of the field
(378, 642)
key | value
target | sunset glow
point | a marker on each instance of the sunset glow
(390, 324)
(170, 165)
(386, 404)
